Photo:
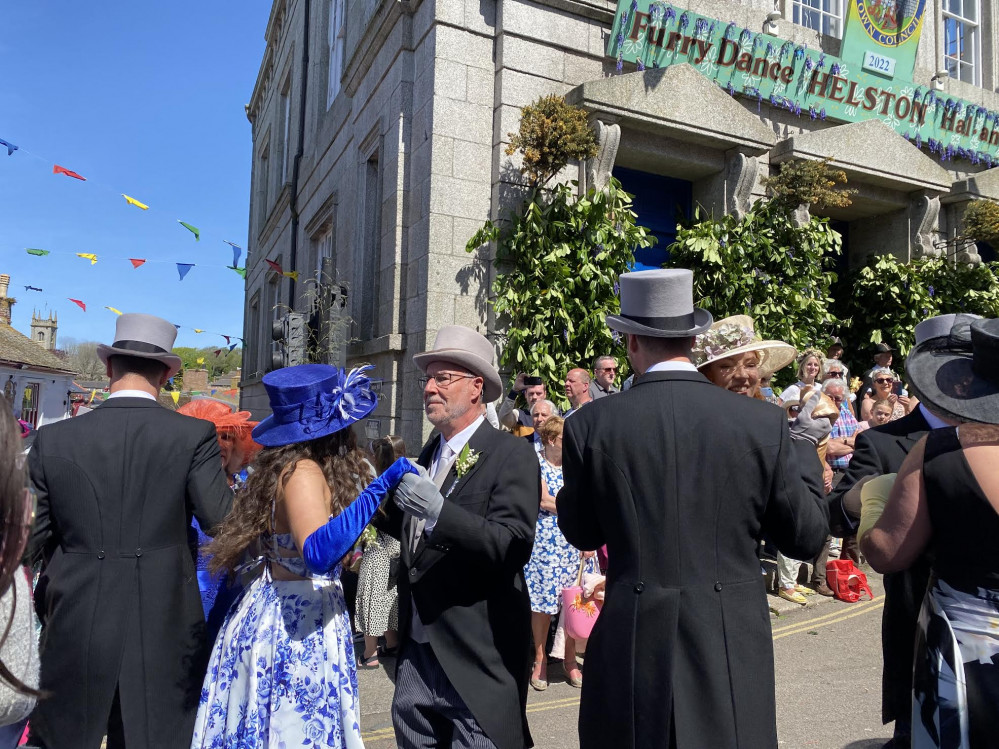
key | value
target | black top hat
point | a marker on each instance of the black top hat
(957, 375)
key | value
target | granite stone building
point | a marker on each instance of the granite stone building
(379, 129)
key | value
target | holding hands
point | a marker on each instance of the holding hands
(419, 496)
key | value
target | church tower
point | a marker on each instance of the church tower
(43, 330)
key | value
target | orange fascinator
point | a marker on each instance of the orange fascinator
(231, 424)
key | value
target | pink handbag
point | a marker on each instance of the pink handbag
(580, 612)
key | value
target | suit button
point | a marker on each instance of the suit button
(138, 552)
(718, 587)
(100, 554)
(639, 587)
(412, 573)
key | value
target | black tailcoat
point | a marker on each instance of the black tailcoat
(119, 595)
(680, 478)
(467, 578)
(878, 451)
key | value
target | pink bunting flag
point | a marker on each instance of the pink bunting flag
(135, 262)
(78, 302)
(218, 351)
(226, 338)
(56, 169)
(274, 266)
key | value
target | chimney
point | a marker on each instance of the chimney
(196, 379)
(5, 301)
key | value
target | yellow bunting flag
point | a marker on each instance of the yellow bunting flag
(201, 360)
(176, 396)
(198, 330)
(92, 394)
(292, 274)
(136, 203)
(116, 311)
(88, 256)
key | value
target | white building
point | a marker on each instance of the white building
(379, 129)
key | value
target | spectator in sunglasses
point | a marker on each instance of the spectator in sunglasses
(885, 388)
(604, 374)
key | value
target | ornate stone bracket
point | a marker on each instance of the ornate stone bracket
(598, 169)
(801, 215)
(968, 253)
(924, 211)
(740, 179)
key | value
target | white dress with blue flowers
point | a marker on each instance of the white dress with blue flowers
(554, 562)
(282, 672)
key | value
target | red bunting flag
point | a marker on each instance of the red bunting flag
(227, 341)
(56, 169)
(135, 262)
(77, 301)
(274, 266)
(218, 351)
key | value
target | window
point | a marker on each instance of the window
(285, 128)
(335, 49)
(272, 313)
(367, 262)
(263, 185)
(29, 403)
(325, 251)
(824, 16)
(253, 335)
(962, 47)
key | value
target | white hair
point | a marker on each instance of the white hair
(551, 406)
(837, 383)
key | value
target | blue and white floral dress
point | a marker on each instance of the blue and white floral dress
(282, 672)
(554, 562)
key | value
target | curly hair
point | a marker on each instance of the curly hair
(344, 465)
(386, 450)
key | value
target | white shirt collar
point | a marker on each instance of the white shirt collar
(932, 419)
(458, 442)
(133, 394)
(672, 366)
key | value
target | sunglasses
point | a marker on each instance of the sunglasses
(834, 374)
(883, 381)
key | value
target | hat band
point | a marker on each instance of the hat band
(674, 324)
(139, 346)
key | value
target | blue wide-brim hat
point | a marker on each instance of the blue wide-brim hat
(312, 401)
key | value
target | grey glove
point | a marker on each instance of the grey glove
(419, 496)
(423, 471)
(805, 427)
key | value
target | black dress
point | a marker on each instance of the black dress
(956, 672)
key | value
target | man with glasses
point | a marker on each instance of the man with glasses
(604, 374)
(833, 368)
(466, 525)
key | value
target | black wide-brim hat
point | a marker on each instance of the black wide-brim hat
(957, 375)
(659, 303)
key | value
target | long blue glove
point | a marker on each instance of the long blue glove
(326, 545)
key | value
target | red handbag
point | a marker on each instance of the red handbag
(846, 581)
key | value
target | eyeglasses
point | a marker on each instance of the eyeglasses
(444, 379)
(883, 381)
(834, 373)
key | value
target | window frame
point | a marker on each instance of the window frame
(836, 15)
(335, 37)
(975, 27)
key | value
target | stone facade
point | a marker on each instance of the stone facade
(390, 167)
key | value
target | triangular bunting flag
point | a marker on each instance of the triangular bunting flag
(198, 330)
(240, 271)
(78, 302)
(183, 269)
(201, 360)
(217, 352)
(33, 251)
(292, 274)
(9, 146)
(274, 266)
(175, 394)
(226, 338)
(136, 262)
(193, 229)
(56, 169)
(116, 311)
(32, 288)
(92, 394)
(236, 251)
(232, 346)
(136, 203)
(88, 256)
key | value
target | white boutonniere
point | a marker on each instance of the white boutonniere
(466, 459)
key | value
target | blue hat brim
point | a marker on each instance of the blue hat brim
(270, 433)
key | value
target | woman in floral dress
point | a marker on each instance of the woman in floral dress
(554, 563)
(282, 672)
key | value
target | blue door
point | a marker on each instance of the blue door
(659, 202)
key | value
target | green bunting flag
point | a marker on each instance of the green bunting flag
(240, 271)
(193, 229)
(40, 253)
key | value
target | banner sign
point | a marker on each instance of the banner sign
(801, 80)
(882, 35)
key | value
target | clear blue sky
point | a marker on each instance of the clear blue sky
(141, 98)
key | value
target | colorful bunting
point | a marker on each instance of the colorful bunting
(201, 360)
(136, 203)
(78, 302)
(92, 394)
(193, 229)
(31, 288)
(236, 252)
(198, 330)
(227, 341)
(240, 271)
(88, 256)
(135, 262)
(274, 266)
(116, 311)
(33, 251)
(232, 346)
(217, 352)
(292, 274)
(56, 169)
(9, 146)
(175, 394)
(183, 269)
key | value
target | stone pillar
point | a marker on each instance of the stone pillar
(5, 302)
(196, 379)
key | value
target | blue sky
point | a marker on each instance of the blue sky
(144, 99)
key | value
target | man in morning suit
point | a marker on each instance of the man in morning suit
(679, 479)
(878, 451)
(467, 528)
(122, 646)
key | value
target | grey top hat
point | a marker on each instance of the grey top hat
(957, 374)
(144, 337)
(470, 350)
(659, 303)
